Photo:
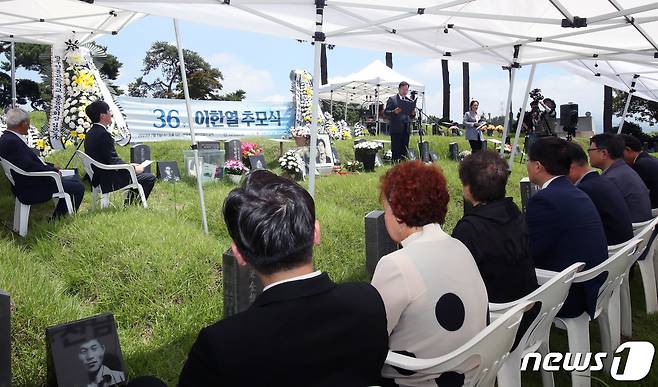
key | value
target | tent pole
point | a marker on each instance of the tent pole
(190, 120)
(331, 103)
(520, 123)
(346, 96)
(377, 110)
(318, 38)
(13, 74)
(623, 116)
(508, 105)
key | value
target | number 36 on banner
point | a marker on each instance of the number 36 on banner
(166, 118)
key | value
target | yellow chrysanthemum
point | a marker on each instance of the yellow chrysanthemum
(40, 144)
(68, 143)
(81, 136)
(84, 79)
(74, 133)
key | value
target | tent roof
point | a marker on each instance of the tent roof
(362, 84)
(53, 21)
(486, 31)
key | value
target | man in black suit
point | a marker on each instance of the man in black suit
(99, 145)
(604, 194)
(304, 329)
(33, 190)
(644, 164)
(399, 127)
(563, 224)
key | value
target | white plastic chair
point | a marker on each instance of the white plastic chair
(606, 312)
(88, 162)
(22, 211)
(490, 347)
(551, 295)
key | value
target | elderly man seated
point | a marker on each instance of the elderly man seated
(33, 190)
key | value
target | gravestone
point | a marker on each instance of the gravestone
(233, 151)
(241, 285)
(527, 190)
(257, 162)
(208, 145)
(66, 343)
(424, 149)
(5, 339)
(411, 154)
(485, 144)
(335, 153)
(453, 151)
(140, 153)
(378, 242)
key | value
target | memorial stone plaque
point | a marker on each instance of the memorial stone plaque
(453, 151)
(335, 153)
(424, 149)
(411, 154)
(140, 153)
(257, 162)
(5, 339)
(208, 145)
(378, 242)
(233, 151)
(527, 190)
(241, 285)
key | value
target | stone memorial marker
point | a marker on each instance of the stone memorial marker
(378, 242)
(241, 285)
(453, 151)
(5, 340)
(140, 153)
(233, 150)
(83, 351)
(527, 190)
(424, 149)
(208, 145)
(411, 154)
(335, 153)
(257, 162)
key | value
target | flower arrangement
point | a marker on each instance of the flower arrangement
(463, 154)
(235, 167)
(388, 156)
(353, 166)
(359, 130)
(250, 149)
(301, 131)
(302, 89)
(499, 129)
(368, 146)
(291, 163)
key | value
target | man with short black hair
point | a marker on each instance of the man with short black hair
(606, 152)
(604, 194)
(303, 330)
(644, 164)
(563, 224)
(33, 190)
(400, 122)
(99, 145)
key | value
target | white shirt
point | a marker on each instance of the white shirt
(549, 181)
(298, 278)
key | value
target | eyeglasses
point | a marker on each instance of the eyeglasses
(594, 149)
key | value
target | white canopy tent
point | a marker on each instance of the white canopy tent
(508, 32)
(373, 83)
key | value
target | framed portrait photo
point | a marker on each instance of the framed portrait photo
(324, 156)
(168, 171)
(85, 352)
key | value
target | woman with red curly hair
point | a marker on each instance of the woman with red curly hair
(434, 295)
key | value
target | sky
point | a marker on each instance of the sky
(260, 64)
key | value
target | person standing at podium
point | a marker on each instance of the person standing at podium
(400, 121)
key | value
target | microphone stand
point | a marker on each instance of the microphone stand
(424, 150)
(73, 155)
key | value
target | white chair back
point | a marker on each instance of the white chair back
(87, 162)
(8, 167)
(488, 349)
(644, 228)
(616, 268)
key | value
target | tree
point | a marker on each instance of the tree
(640, 109)
(204, 81)
(237, 95)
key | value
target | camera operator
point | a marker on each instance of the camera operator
(540, 120)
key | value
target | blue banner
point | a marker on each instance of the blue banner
(156, 119)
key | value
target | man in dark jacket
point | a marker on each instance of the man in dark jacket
(99, 145)
(304, 329)
(644, 164)
(33, 190)
(400, 121)
(606, 152)
(563, 224)
(605, 196)
(494, 230)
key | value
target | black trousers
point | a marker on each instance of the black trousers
(400, 144)
(73, 187)
(147, 181)
(476, 145)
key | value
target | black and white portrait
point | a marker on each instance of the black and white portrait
(257, 162)
(86, 353)
(324, 155)
(168, 171)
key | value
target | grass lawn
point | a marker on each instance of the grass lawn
(161, 276)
